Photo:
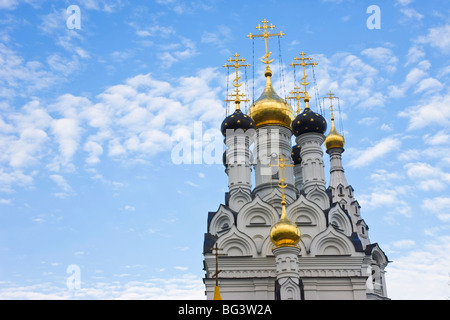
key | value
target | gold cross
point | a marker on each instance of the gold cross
(297, 97)
(281, 184)
(304, 64)
(216, 274)
(237, 97)
(265, 34)
(331, 96)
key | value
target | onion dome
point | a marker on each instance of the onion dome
(284, 232)
(308, 121)
(237, 120)
(270, 109)
(296, 154)
(334, 139)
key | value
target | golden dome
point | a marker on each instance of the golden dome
(270, 109)
(284, 232)
(334, 139)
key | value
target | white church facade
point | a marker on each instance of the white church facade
(291, 235)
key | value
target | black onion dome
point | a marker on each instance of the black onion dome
(296, 154)
(237, 120)
(308, 121)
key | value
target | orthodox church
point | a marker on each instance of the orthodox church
(292, 235)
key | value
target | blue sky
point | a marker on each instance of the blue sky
(89, 119)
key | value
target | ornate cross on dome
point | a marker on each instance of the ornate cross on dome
(304, 64)
(297, 97)
(237, 97)
(331, 96)
(281, 184)
(266, 35)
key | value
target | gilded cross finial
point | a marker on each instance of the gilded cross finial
(331, 96)
(216, 253)
(281, 183)
(266, 35)
(236, 97)
(297, 95)
(304, 64)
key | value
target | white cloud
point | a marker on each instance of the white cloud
(411, 14)
(8, 4)
(102, 5)
(192, 184)
(12, 178)
(356, 81)
(361, 158)
(404, 244)
(67, 135)
(185, 49)
(21, 77)
(412, 78)
(421, 273)
(433, 111)
(415, 54)
(404, 2)
(382, 56)
(438, 37)
(429, 85)
(440, 138)
(427, 177)
(181, 268)
(185, 287)
(408, 155)
(382, 175)
(5, 201)
(219, 38)
(62, 183)
(439, 206)
(131, 121)
(129, 208)
(95, 150)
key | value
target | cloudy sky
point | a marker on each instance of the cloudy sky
(96, 108)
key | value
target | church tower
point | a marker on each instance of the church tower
(290, 236)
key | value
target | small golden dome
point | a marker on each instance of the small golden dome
(284, 232)
(270, 109)
(334, 139)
